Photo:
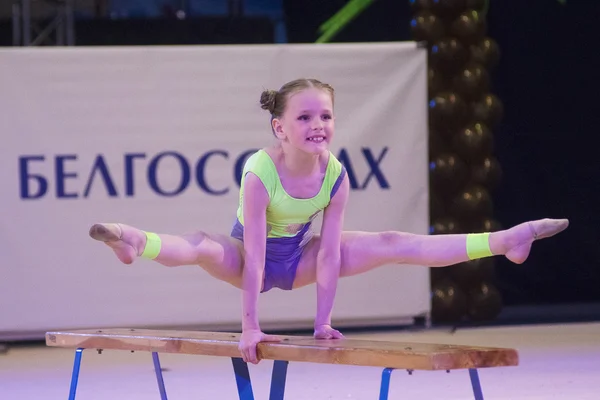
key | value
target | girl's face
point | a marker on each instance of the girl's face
(307, 123)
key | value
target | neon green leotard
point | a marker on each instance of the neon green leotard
(287, 215)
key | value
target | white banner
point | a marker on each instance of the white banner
(155, 137)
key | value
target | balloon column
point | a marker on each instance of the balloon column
(463, 171)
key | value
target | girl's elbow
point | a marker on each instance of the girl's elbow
(254, 264)
(329, 252)
(329, 259)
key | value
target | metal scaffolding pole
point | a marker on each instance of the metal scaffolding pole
(29, 31)
(236, 8)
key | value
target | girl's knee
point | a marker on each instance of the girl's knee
(195, 238)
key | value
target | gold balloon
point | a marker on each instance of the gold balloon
(472, 82)
(489, 110)
(447, 173)
(469, 27)
(485, 52)
(427, 27)
(447, 110)
(473, 143)
(448, 55)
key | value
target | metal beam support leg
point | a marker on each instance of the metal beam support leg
(242, 379)
(159, 376)
(384, 389)
(474, 375)
(75, 374)
(278, 380)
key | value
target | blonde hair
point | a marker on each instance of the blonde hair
(275, 101)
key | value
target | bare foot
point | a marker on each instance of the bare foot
(126, 241)
(515, 243)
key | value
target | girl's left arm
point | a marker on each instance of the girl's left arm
(329, 261)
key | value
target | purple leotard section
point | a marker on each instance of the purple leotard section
(281, 257)
(338, 182)
(283, 253)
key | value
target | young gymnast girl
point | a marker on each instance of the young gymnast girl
(283, 188)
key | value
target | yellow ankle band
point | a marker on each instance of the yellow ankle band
(478, 245)
(152, 246)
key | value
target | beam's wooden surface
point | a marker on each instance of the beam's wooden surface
(417, 356)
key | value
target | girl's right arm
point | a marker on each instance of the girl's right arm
(255, 203)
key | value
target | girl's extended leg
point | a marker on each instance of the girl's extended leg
(220, 255)
(363, 251)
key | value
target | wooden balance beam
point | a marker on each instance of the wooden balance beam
(387, 355)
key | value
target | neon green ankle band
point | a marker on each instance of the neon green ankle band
(478, 245)
(152, 246)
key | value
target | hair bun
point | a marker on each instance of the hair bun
(267, 100)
